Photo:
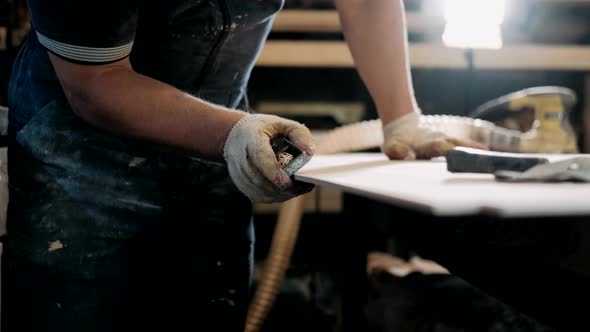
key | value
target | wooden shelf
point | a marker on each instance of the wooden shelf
(336, 54)
(327, 21)
(291, 20)
(427, 55)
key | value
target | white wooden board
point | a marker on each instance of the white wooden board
(429, 187)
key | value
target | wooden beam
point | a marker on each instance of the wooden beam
(292, 20)
(535, 57)
(327, 21)
(305, 54)
(336, 54)
(423, 55)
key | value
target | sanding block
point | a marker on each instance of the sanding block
(511, 167)
(290, 158)
(467, 160)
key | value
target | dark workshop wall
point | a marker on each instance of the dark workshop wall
(14, 24)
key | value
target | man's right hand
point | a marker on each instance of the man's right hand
(185, 124)
(251, 160)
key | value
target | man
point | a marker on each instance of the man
(133, 167)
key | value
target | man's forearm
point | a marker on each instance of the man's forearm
(376, 35)
(128, 104)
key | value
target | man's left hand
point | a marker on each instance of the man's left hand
(404, 139)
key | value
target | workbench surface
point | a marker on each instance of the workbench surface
(428, 186)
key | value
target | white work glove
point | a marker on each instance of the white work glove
(252, 164)
(404, 139)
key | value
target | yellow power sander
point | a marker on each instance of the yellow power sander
(541, 112)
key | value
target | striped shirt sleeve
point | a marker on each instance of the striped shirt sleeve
(88, 32)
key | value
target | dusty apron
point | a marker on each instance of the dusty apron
(108, 234)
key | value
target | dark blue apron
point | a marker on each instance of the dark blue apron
(108, 234)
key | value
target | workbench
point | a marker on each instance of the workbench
(527, 244)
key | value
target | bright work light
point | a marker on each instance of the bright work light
(474, 23)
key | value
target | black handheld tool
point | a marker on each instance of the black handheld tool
(288, 155)
(467, 160)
